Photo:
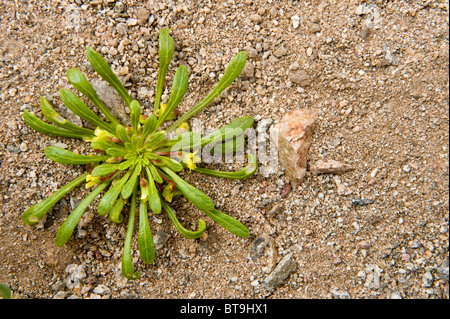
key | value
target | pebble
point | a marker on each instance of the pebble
(339, 294)
(281, 272)
(427, 279)
(101, 290)
(443, 270)
(330, 167)
(295, 21)
(159, 239)
(256, 18)
(301, 78)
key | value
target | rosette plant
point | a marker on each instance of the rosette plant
(140, 162)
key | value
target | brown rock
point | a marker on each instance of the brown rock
(301, 77)
(293, 137)
(330, 167)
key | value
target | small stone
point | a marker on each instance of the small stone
(281, 272)
(395, 295)
(101, 290)
(60, 295)
(295, 21)
(143, 15)
(293, 137)
(264, 246)
(12, 91)
(427, 279)
(339, 294)
(364, 244)
(249, 71)
(256, 18)
(315, 27)
(23, 147)
(414, 244)
(280, 52)
(330, 167)
(159, 239)
(301, 78)
(443, 270)
(132, 22)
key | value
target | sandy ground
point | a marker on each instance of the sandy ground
(376, 71)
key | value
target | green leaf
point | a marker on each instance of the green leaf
(60, 155)
(77, 106)
(170, 163)
(35, 213)
(129, 186)
(124, 165)
(43, 127)
(246, 172)
(79, 81)
(231, 73)
(179, 88)
(149, 126)
(152, 170)
(194, 195)
(5, 292)
(235, 128)
(67, 228)
(50, 114)
(115, 214)
(108, 200)
(183, 231)
(104, 169)
(166, 47)
(127, 264)
(122, 133)
(135, 115)
(102, 67)
(145, 238)
(154, 200)
(228, 222)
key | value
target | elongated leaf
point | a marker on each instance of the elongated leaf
(183, 231)
(35, 213)
(166, 47)
(127, 264)
(124, 165)
(129, 186)
(102, 67)
(5, 292)
(145, 238)
(194, 195)
(43, 127)
(152, 171)
(122, 133)
(149, 127)
(228, 222)
(232, 129)
(154, 201)
(108, 200)
(246, 172)
(67, 228)
(79, 81)
(135, 114)
(170, 163)
(231, 73)
(104, 169)
(179, 88)
(77, 106)
(60, 155)
(50, 114)
(115, 215)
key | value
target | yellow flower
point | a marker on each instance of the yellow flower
(92, 181)
(189, 159)
(183, 128)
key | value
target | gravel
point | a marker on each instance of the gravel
(376, 71)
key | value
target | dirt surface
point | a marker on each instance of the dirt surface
(377, 72)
